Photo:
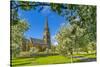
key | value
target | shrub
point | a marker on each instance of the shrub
(15, 50)
(47, 51)
(24, 54)
(34, 50)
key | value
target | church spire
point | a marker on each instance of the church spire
(46, 37)
(46, 23)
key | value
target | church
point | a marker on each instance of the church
(40, 44)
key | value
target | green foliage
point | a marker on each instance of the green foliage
(24, 54)
(87, 19)
(26, 5)
(15, 50)
(64, 40)
(33, 50)
(92, 46)
(53, 49)
(56, 7)
(47, 51)
(80, 32)
(17, 33)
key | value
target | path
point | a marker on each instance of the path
(84, 59)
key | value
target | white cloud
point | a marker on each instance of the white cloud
(62, 24)
(46, 10)
(55, 43)
(53, 40)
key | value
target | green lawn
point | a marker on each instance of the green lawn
(40, 60)
(47, 60)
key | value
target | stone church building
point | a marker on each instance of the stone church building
(40, 44)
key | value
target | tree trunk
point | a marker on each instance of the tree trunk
(71, 56)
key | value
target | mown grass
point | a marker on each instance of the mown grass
(47, 60)
(86, 55)
(21, 61)
(40, 60)
(52, 60)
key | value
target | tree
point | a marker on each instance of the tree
(87, 21)
(65, 41)
(17, 33)
(53, 49)
(79, 34)
(18, 27)
(34, 50)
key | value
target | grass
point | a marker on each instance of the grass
(47, 60)
(21, 61)
(52, 60)
(40, 60)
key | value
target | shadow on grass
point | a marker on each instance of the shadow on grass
(19, 64)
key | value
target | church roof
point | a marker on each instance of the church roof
(37, 41)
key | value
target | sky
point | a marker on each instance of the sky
(36, 20)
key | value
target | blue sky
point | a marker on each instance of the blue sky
(37, 19)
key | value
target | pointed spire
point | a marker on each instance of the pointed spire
(46, 37)
(46, 23)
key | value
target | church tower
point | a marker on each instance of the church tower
(46, 36)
